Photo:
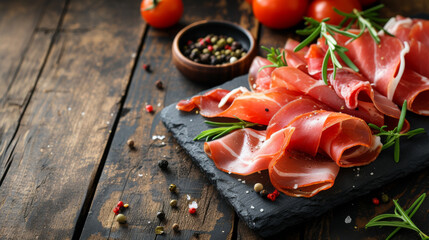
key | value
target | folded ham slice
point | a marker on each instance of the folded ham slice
(304, 148)
(256, 107)
(260, 80)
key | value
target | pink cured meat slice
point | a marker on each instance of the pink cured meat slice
(256, 107)
(245, 151)
(318, 90)
(261, 79)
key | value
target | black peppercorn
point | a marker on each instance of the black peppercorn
(176, 227)
(159, 84)
(263, 193)
(160, 215)
(172, 188)
(163, 164)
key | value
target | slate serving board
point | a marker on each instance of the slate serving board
(268, 218)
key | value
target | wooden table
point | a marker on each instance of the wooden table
(73, 91)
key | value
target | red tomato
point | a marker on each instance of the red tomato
(279, 13)
(165, 14)
(320, 9)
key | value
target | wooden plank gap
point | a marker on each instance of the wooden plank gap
(95, 177)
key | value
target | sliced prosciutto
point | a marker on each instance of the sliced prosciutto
(325, 94)
(245, 151)
(256, 107)
(384, 65)
(301, 175)
(260, 80)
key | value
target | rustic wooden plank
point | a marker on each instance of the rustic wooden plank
(22, 56)
(64, 131)
(133, 175)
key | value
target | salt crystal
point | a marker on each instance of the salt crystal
(107, 122)
(348, 219)
(357, 175)
(69, 108)
(82, 113)
(371, 173)
(247, 191)
(188, 197)
(295, 186)
(239, 179)
(193, 205)
(252, 207)
(159, 104)
(133, 55)
(243, 181)
(190, 120)
(229, 172)
(261, 210)
(140, 175)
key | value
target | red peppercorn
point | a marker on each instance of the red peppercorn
(116, 210)
(227, 47)
(149, 108)
(375, 201)
(192, 210)
(272, 196)
(189, 42)
(202, 41)
(146, 67)
(210, 48)
(207, 39)
(120, 204)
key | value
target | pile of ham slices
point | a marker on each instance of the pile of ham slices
(313, 129)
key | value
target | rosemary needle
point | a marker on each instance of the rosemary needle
(392, 136)
(277, 58)
(222, 129)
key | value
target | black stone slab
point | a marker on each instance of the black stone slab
(268, 218)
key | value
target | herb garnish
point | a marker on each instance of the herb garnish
(327, 31)
(277, 58)
(403, 216)
(367, 19)
(394, 135)
(225, 128)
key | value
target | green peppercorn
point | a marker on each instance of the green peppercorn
(215, 47)
(243, 54)
(160, 215)
(227, 52)
(206, 50)
(121, 218)
(173, 203)
(214, 39)
(258, 187)
(217, 53)
(176, 227)
(230, 40)
(159, 230)
(221, 42)
(172, 187)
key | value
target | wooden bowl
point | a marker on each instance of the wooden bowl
(213, 74)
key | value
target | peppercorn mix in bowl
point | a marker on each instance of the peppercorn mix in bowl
(213, 52)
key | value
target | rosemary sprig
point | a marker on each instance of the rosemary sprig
(404, 218)
(392, 136)
(327, 31)
(367, 19)
(276, 57)
(222, 129)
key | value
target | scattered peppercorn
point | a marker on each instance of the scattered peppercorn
(258, 187)
(375, 201)
(192, 210)
(172, 188)
(159, 230)
(163, 164)
(120, 204)
(126, 205)
(130, 143)
(121, 218)
(116, 210)
(272, 196)
(160, 215)
(214, 50)
(384, 198)
(263, 193)
(267, 110)
(149, 108)
(176, 227)
(173, 203)
(159, 84)
(146, 67)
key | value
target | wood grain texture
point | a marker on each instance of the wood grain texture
(64, 131)
(133, 175)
